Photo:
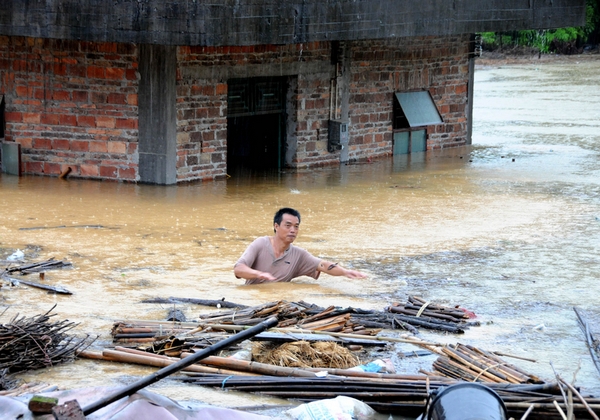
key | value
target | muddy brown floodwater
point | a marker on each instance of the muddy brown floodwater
(508, 228)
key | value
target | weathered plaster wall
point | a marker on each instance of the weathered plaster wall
(71, 104)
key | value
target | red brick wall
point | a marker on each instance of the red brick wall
(313, 102)
(380, 68)
(71, 104)
(74, 104)
(201, 118)
(202, 104)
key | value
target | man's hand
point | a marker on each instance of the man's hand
(353, 274)
(263, 275)
(245, 272)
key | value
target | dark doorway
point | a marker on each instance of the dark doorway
(255, 125)
(254, 142)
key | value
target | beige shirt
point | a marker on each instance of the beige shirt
(293, 263)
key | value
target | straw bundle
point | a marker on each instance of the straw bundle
(304, 354)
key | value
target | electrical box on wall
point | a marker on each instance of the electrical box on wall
(338, 135)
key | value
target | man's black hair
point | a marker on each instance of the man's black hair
(286, 210)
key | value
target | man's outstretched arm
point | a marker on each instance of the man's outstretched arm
(334, 269)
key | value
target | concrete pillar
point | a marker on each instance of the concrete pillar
(471, 87)
(344, 91)
(157, 114)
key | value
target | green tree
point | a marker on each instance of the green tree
(566, 40)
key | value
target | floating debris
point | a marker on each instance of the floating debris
(39, 267)
(204, 302)
(303, 370)
(50, 264)
(421, 313)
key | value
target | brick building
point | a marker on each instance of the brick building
(169, 91)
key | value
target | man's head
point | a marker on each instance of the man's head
(279, 216)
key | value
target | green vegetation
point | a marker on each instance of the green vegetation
(563, 40)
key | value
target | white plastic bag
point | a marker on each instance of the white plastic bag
(16, 256)
(339, 408)
(384, 366)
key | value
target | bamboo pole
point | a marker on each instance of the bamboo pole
(583, 401)
(562, 414)
(444, 368)
(331, 371)
(154, 361)
(497, 353)
(166, 371)
(529, 410)
(500, 366)
(164, 324)
(426, 314)
(414, 340)
(435, 310)
(509, 369)
(474, 366)
(323, 314)
(547, 406)
(570, 414)
(88, 354)
(324, 322)
(374, 375)
(588, 338)
(254, 367)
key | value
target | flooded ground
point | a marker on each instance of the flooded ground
(508, 228)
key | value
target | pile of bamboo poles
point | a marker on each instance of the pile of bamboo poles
(34, 343)
(404, 395)
(471, 364)
(420, 313)
(144, 331)
(305, 316)
(308, 317)
(290, 314)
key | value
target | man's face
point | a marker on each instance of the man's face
(288, 229)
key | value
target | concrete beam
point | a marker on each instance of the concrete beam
(255, 22)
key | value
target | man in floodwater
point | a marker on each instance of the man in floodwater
(274, 258)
